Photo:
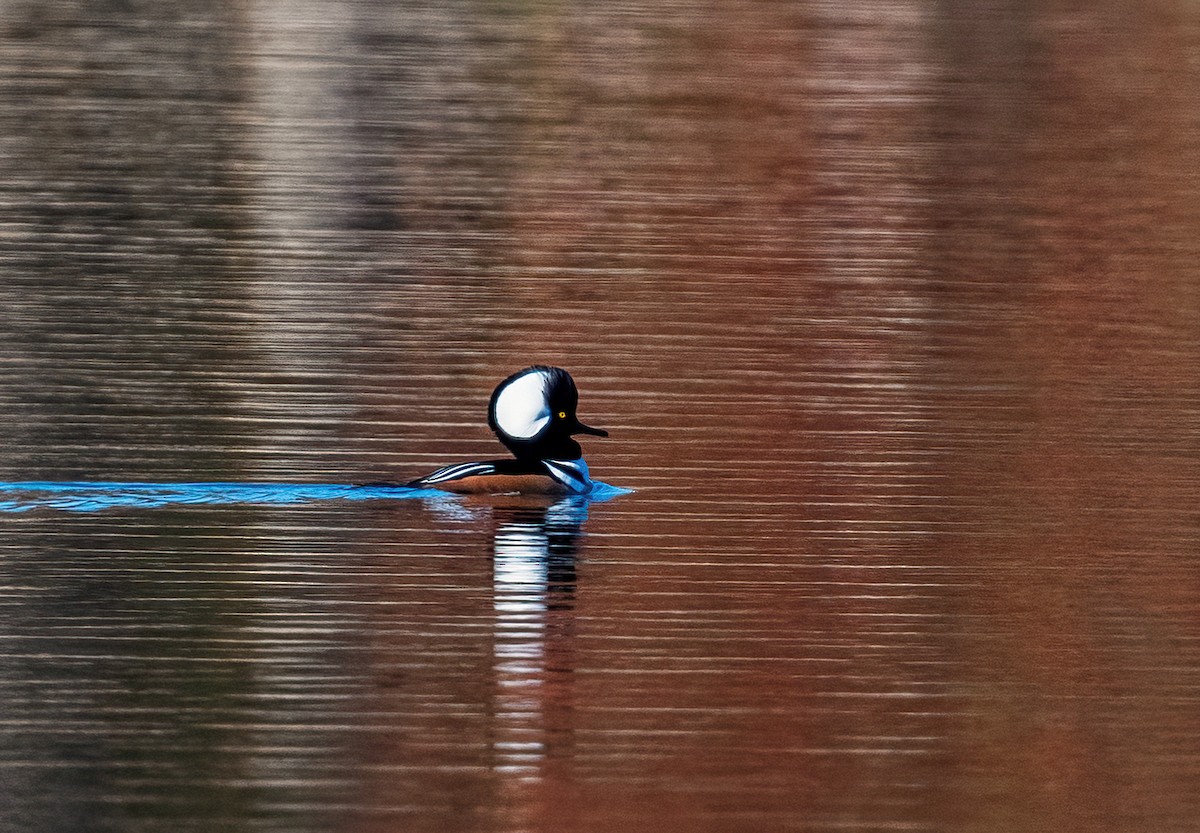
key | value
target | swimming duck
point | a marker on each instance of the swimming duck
(532, 413)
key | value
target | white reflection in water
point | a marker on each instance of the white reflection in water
(534, 593)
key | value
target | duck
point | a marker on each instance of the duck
(533, 414)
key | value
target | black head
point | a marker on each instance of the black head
(533, 414)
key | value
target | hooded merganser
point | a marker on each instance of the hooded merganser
(532, 413)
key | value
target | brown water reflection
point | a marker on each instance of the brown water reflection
(891, 311)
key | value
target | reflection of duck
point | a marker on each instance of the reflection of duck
(535, 545)
(536, 540)
(533, 586)
(533, 413)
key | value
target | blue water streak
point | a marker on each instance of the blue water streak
(97, 496)
(601, 492)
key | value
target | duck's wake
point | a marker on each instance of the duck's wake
(96, 496)
(90, 496)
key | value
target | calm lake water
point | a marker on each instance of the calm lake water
(892, 310)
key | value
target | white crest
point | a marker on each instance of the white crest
(521, 408)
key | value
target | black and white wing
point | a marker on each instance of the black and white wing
(455, 472)
(573, 474)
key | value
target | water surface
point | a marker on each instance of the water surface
(891, 311)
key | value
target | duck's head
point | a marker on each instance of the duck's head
(533, 414)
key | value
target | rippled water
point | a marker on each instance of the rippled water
(891, 309)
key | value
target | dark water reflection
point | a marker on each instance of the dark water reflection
(891, 310)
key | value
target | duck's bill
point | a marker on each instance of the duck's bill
(580, 428)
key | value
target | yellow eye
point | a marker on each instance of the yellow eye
(562, 414)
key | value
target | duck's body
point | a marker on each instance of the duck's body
(532, 413)
(538, 477)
